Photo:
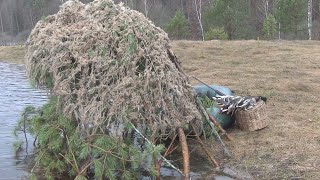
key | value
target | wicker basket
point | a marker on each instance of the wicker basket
(253, 119)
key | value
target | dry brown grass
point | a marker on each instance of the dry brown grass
(13, 54)
(288, 73)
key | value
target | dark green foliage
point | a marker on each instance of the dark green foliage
(24, 124)
(133, 44)
(292, 15)
(269, 27)
(178, 26)
(232, 15)
(17, 145)
(60, 147)
(216, 33)
(36, 3)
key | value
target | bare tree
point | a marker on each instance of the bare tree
(316, 19)
(258, 11)
(266, 8)
(181, 5)
(31, 18)
(1, 22)
(210, 2)
(309, 18)
(146, 8)
(198, 6)
(17, 23)
(279, 28)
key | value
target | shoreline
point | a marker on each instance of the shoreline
(12, 54)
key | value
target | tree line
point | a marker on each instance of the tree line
(247, 19)
(189, 19)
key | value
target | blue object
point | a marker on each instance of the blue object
(203, 91)
(224, 120)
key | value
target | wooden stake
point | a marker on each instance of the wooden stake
(215, 122)
(158, 166)
(185, 153)
(214, 131)
(213, 161)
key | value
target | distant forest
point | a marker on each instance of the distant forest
(189, 19)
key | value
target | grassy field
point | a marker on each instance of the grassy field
(287, 72)
(13, 54)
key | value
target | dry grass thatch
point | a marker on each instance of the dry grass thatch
(108, 65)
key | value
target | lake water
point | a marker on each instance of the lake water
(15, 94)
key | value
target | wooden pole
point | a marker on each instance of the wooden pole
(213, 161)
(185, 154)
(215, 122)
(158, 166)
(213, 127)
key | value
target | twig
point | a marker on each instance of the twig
(213, 161)
(185, 153)
(171, 150)
(85, 165)
(35, 140)
(106, 151)
(25, 134)
(69, 161)
(37, 162)
(74, 158)
(163, 158)
(215, 122)
(169, 147)
(214, 131)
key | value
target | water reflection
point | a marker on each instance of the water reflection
(15, 94)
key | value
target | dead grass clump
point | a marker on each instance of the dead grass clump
(109, 65)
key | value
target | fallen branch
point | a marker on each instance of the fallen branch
(214, 131)
(213, 161)
(185, 153)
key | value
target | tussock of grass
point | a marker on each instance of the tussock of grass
(12, 54)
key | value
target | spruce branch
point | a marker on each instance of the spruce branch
(149, 142)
